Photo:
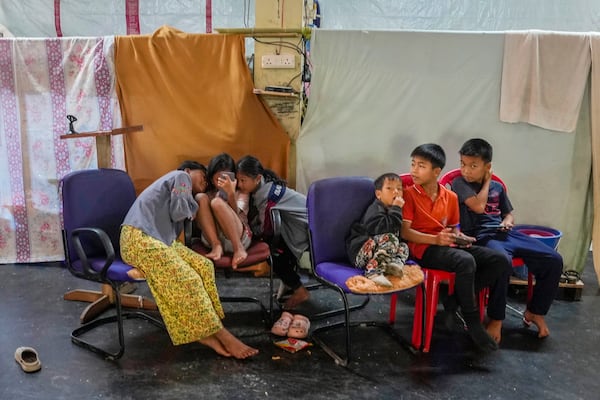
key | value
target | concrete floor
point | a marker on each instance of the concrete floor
(33, 313)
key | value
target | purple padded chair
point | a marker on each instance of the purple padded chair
(95, 203)
(333, 205)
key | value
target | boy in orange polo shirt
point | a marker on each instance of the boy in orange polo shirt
(431, 227)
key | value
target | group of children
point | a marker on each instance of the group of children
(466, 230)
(236, 207)
(230, 203)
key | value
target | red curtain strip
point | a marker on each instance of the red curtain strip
(132, 16)
(208, 16)
(57, 18)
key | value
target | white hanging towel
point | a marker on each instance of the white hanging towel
(543, 78)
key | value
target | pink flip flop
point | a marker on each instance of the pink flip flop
(282, 325)
(299, 328)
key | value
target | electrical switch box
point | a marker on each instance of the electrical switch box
(278, 61)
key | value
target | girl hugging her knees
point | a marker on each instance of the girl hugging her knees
(224, 226)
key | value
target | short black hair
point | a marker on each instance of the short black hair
(192, 165)
(477, 148)
(431, 152)
(392, 176)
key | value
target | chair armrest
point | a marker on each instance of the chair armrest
(276, 223)
(187, 232)
(109, 250)
(277, 214)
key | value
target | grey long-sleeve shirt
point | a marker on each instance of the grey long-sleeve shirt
(294, 229)
(159, 211)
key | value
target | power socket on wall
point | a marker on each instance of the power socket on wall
(278, 61)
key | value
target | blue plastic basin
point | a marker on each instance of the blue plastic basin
(548, 236)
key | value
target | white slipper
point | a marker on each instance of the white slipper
(28, 359)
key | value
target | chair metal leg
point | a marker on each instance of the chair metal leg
(334, 312)
(340, 360)
(514, 310)
(267, 312)
(344, 360)
(242, 299)
(118, 318)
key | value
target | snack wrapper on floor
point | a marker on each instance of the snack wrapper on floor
(292, 345)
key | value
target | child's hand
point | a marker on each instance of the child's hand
(463, 240)
(226, 183)
(398, 201)
(445, 238)
(488, 175)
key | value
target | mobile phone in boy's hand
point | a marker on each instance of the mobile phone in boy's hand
(463, 241)
(498, 227)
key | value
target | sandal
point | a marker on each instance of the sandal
(299, 328)
(28, 359)
(282, 325)
(572, 276)
(563, 278)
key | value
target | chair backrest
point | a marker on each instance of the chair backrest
(333, 205)
(449, 176)
(97, 198)
(406, 180)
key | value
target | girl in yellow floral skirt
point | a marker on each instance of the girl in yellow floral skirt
(181, 280)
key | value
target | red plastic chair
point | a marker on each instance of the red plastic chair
(426, 306)
(447, 179)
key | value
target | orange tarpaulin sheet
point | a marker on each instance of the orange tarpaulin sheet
(193, 95)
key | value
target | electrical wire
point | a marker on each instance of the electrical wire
(297, 48)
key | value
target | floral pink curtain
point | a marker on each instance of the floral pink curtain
(41, 82)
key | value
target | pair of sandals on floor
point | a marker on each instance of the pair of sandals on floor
(294, 326)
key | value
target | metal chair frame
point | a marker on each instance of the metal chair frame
(87, 235)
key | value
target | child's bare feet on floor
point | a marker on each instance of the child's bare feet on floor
(215, 253)
(494, 329)
(238, 258)
(300, 295)
(214, 343)
(537, 320)
(234, 346)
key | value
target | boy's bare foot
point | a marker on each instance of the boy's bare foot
(537, 320)
(234, 346)
(300, 295)
(494, 329)
(238, 258)
(214, 343)
(215, 253)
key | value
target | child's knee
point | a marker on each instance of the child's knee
(218, 203)
(201, 198)
(465, 263)
(557, 259)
